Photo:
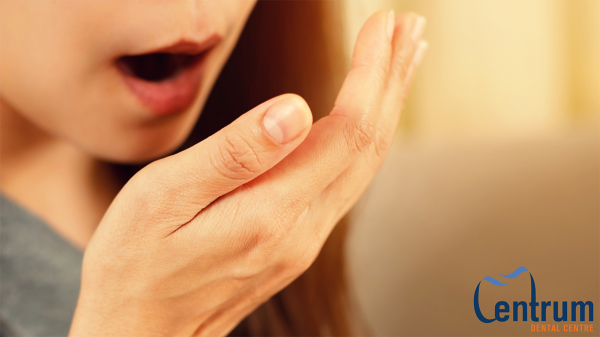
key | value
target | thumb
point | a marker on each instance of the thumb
(188, 181)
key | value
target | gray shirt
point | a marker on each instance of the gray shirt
(40, 275)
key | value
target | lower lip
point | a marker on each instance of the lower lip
(170, 96)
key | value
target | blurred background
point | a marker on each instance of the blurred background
(496, 165)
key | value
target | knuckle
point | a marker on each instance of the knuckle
(237, 158)
(400, 66)
(149, 199)
(267, 245)
(287, 207)
(263, 234)
(383, 141)
(363, 134)
(153, 181)
(381, 72)
(268, 235)
(360, 133)
(296, 263)
(277, 225)
(148, 183)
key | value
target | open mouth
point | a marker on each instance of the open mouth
(156, 67)
(168, 80)
(164, 82)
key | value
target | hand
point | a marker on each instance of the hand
(196, 241)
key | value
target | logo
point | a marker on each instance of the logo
(536, 311)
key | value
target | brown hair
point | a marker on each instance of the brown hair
(290, 47)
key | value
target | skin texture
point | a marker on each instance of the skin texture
(196, 241)
(64, 106)
(61, 53)
(189, 264)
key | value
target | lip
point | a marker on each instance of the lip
(178, 93)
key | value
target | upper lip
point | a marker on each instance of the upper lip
(188, 46)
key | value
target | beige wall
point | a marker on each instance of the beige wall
(583, 56)
(437, 219)
(496, 166)
(499, 68)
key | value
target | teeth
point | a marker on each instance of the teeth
(155, 67)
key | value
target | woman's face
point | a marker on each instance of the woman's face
(123, 80)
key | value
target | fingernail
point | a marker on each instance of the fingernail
(418, 28)
(391, 23)
(287, 119)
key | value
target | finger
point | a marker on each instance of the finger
(408, 31)
(185, 183)
(336, 140)
(346, 190)
(417, 59)
(364, 84)
(407, 37)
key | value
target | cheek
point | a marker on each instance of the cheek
(39, 68)
(55, 71)
(234, 12)
(45, 62)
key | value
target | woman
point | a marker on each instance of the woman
(195, 242)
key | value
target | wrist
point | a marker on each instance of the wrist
(101, 316)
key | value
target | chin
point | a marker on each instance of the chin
(134, 156)
(139, 150)
(138, 157)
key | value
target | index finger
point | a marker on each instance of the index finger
(336, 140)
